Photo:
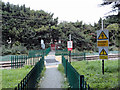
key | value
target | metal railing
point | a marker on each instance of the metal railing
(75, 79)
(76, 56)
(20, 61)
(31, 78)
(39, 52)
(33, 57)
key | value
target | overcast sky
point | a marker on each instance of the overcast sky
(87, 11)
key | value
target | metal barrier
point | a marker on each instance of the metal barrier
(39, 52)
(47, 51)
(65, 52)
(31, 78)
(61, 52)
(33, 57)
(20, 61)
(75, 79)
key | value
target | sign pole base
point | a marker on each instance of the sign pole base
(103, 67)
(70, 57)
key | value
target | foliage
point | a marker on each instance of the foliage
(22, 26)
(115, 8)
(93, 73)
(15, 50)
(83, 35)
(114, 34)
(10, 78)
(26, 26)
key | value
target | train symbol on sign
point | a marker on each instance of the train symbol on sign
(102, 36)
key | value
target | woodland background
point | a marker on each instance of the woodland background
(23, 29)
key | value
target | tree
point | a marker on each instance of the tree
(27, 26)
(116, 7)
(115, 3)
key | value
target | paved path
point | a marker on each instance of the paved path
(52, 77)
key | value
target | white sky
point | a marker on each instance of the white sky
(87, 11)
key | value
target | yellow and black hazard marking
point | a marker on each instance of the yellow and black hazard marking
(102, 36)
(103, 52)
(103, 57)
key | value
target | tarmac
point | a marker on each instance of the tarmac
(52, 78)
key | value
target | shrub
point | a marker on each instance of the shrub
(6, 50)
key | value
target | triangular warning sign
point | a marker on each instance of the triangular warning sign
(102, 36)
(103, 52)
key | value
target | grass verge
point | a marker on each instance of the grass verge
(11, 77)
(61, 69)
(92, 71)
(40, 78)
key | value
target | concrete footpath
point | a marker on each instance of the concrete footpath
(52, 78)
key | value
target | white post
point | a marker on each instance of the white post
(70, 37)
(102, 25)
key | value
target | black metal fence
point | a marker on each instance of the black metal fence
(30, 80)
(76, 81)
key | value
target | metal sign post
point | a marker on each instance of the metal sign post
(70, 50)
(102, 44)
(103, 66)
(70, 46)
(103, 59)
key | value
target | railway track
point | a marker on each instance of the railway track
(95, 57)
(7, 64)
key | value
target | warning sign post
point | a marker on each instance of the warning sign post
(102, 44)
(102, 38)
(103, 53)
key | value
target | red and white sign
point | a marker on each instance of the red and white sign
(69, 45)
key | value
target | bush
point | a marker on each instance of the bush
(113, 48)
(19, 50)
(6, 50)
(15, 50)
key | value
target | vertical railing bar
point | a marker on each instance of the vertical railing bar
(15, 61)
(85, 85)
(79, 82)
(18, 62)
(21, 85)
(11, 61)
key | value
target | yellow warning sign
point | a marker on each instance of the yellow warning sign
(102, 36)
(103, 57)
(103, 52)
(102, 43)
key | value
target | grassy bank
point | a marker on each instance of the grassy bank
(93, 73)
(11, 77)
(41, 75)
(61, 69)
